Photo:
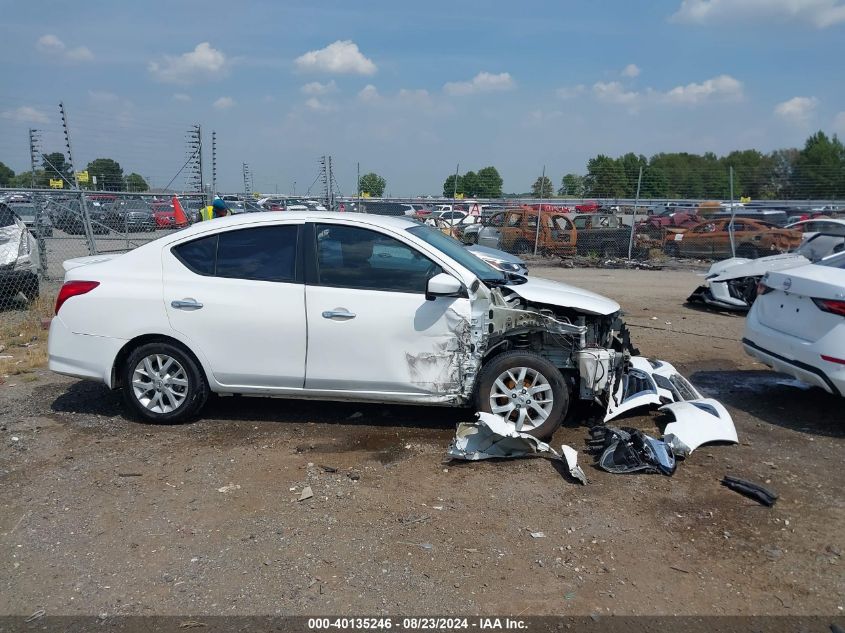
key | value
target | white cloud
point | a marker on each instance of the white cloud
(369, 94)
(482, 82)
(818, 13)
(839, 123)
(614, 92)
(316, 105)
(341, 57)
(224, 103)
(316, 88)
(797, 110)
(181, 96)
(25, 114)
(631, 70)
(722, 87)
(51, 45)
(80, 54)
(202, 63)
(570, 92)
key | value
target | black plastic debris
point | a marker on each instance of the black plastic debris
(629, 450)
(751, 490)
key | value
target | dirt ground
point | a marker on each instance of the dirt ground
(102, 515)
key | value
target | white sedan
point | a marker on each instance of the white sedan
(797, 323)
(335, 306)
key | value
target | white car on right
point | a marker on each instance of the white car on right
(797, 324)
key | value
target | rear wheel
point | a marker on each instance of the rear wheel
(163, 384)
(609, 250)
(524, 389)
(521, 247)
(673, 250)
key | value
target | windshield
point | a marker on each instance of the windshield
(456, 251)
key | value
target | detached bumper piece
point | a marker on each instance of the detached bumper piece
(724, 295)
(492, 438)
(648, 383)
(698, 422)
(751, 490)
(628, 450)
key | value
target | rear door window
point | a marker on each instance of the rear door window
(266, 253)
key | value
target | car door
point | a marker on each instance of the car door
(238, 298)
(490, 234)
(370, 328)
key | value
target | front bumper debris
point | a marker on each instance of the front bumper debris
(648, 382)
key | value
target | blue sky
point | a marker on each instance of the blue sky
(410, 91)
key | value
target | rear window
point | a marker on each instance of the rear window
(265, 253)
(834, 261)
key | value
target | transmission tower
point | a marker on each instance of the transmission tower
(34, 151)
(247, 181)
(328, 181)
(213, 162)
(86, 218)
(193, 180)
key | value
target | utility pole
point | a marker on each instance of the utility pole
(213, 162)
(331, 185)
(358, 170)
(455, 190)
(733, 212)
(634, 215)
(194, 151)
(540, 209)
(86, 218)
(34, 152)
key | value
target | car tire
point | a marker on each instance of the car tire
(489, 394)
(175, 392)
(673, 250)
(521, 247)
(609, 250)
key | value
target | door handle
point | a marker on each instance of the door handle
(338, 313)
(186, 304)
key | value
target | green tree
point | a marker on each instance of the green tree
(452, 185)
(605, 178)
(6, 175)
(631, 164)
(56, 168)
(109, 173)
(489, 183)
(543, 187)
(24, 179)
(655, 183)
(820, 168)
(136, 182)
(470, 184)
(372, 184)
(572, 185)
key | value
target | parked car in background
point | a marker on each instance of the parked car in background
(130, 216)
(731, 284)
(831, 226)
(66, 215)
(39, 224)
(712, 238)
(515, 231)
(776, 217)
(378, 207)
(602, 234)
(18, 257)
(500, 260)
(797, 324)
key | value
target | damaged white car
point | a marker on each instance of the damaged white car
(18, 257)
(340, 307)
(731, 284)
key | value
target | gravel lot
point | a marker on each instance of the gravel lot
(99, 514)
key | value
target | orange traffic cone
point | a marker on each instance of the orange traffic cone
(178, 213)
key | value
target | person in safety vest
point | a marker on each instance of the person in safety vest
(217, 209)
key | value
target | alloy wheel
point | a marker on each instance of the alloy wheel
(523, 397)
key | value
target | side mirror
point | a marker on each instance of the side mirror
(443, 285)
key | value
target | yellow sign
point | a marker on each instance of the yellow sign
(82, 176)
(459, 196)
(57, 184)
(365, 194)
(745, 199)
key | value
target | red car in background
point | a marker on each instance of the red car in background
(164, 215)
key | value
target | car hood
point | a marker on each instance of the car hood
(737, 267)
(560, 294)
(495, 253)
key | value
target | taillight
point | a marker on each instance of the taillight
(73, 289)
(762, 288)
(834, 306)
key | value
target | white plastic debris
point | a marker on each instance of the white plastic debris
(492, 437)
(229, 488)
(698, 422)
(306, 493)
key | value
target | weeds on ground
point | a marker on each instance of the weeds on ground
(23, 340)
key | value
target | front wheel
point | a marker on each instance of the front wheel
(163, 384)
(524, 389)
